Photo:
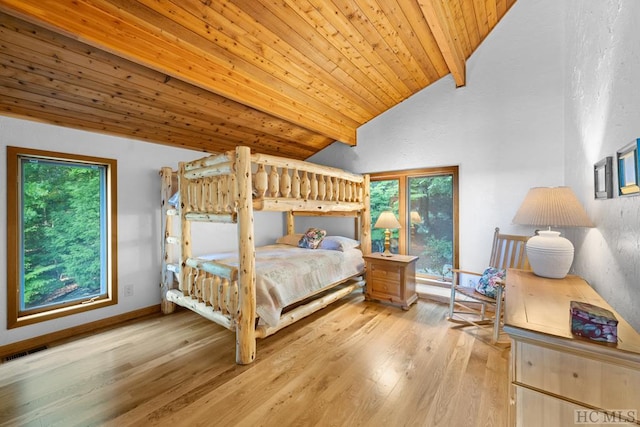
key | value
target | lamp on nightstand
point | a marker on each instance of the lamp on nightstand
(549, 254)
(388, 221)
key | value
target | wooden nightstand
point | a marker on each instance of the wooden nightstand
(391, 279)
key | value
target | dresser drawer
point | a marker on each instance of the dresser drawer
(541, 410)
(579, 378)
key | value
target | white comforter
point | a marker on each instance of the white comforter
(288, 274)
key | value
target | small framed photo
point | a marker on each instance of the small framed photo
(628, 169)
(603, 178)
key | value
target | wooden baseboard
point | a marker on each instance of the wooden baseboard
(48, 339)
(433, 297)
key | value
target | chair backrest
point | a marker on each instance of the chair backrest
(508, 251)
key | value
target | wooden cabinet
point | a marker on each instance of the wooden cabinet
(556, 378)
(391, 279)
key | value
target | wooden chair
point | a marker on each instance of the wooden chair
(507, 251)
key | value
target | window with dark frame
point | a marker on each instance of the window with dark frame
(61, 234)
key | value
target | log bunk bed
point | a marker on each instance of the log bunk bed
(228, 188)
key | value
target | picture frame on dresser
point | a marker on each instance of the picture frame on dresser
(603, 178)
(628, 169)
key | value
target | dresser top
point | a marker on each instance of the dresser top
(540, 306)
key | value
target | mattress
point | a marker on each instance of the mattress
(287, 274)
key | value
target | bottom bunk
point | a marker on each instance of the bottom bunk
(311, 304)
(290, 283)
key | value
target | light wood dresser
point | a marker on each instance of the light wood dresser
(556, 378)
(391, 279)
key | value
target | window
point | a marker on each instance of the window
(61, 234)
(425, 201)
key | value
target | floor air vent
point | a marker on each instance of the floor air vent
(23, 353)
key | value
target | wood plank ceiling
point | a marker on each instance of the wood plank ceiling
(285, 77)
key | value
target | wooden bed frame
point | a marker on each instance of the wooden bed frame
(227, 188)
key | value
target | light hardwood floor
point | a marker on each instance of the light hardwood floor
(355, 363)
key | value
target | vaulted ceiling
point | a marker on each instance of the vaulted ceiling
(285, 77)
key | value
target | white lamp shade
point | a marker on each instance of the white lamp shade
(552, 206)
(387, 220)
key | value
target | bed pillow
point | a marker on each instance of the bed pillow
(338, 243)
(311, 238)
(487, 284)
(290, 239)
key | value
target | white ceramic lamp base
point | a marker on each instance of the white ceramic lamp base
(549, 254)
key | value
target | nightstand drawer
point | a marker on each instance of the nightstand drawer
(385, 272)
(386, 287)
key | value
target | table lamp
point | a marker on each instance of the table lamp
(549, 254)
(388, 221)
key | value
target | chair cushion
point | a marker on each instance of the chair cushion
(487, 283)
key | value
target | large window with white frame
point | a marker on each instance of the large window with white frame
(425, 202)
(61, 234)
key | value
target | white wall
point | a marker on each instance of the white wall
(138, 216)
(535, 112)
(504, 129)
(602, 92)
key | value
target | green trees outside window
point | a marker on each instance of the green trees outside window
(61, 234)
(63, 219)
(425, 202)
(431, 224)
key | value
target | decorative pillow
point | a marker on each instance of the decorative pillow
(338, 243)
(312, 238)
(290, 239)
(487, 283)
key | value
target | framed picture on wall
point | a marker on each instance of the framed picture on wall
(603, 178)
(628, 169)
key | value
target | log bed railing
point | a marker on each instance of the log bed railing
(227, 188)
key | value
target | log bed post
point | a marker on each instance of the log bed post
(245, 326)
(291, 225)
(185, 230)
(365, 219)
(167, 249)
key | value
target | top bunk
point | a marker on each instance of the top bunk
(211, 188)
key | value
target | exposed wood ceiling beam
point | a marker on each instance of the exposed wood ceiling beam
(439, 24)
